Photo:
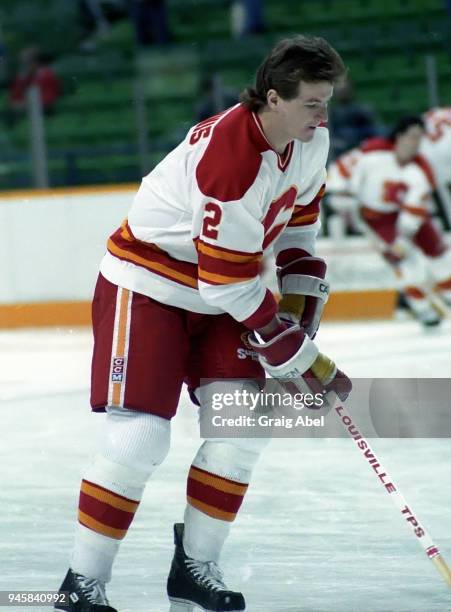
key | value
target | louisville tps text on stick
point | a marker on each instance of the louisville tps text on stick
(408, 515)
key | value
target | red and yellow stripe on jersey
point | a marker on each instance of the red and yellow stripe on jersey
(217, 265)
(220, 266)
(105, 512)
(307, 215)
(123, 245)
(417, 211)
(218, 497)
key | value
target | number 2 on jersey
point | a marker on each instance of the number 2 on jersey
(212, 219)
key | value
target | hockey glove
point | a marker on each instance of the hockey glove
(292, 354)
(304, 292)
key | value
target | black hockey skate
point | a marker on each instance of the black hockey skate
(84, 594)
(193, 583)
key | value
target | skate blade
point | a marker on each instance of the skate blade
(182, 605)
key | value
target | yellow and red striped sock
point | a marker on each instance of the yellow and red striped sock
(214, 495)
(104, 511)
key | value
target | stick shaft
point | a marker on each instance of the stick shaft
(385, 480)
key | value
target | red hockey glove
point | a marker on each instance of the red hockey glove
(304, 292)
(292, 354)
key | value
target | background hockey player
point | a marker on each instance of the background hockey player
(436, 148)
(178, 291)
(392, 185)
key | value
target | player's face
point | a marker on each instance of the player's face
(302, 115)
(408, 143)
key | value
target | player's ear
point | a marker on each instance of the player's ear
(273, 98)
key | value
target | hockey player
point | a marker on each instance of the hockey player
(392, 186)
(436, 148)
(178, 292)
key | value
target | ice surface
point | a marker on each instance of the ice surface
(316, 533)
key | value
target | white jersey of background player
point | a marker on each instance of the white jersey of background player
(392, 186)
(436, 148)
(339, 195)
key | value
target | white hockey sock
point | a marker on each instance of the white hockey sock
(93, 554)
(204, 536)
(217, 483)
(133, 444)
(109, 497)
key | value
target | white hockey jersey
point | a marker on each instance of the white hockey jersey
(381, 185)
(436, 146)
(339, 173)
(203, 218)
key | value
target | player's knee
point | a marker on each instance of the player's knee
(212, 396)
(230, 458)
(135, 440)
(252, 447)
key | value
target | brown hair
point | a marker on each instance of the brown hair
(301, 58)
(404, 124)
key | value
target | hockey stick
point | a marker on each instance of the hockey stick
(396, 496)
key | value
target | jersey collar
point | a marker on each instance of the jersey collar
(283, 159)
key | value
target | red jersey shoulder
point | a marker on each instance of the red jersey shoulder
(376, 144)
(232, 159)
